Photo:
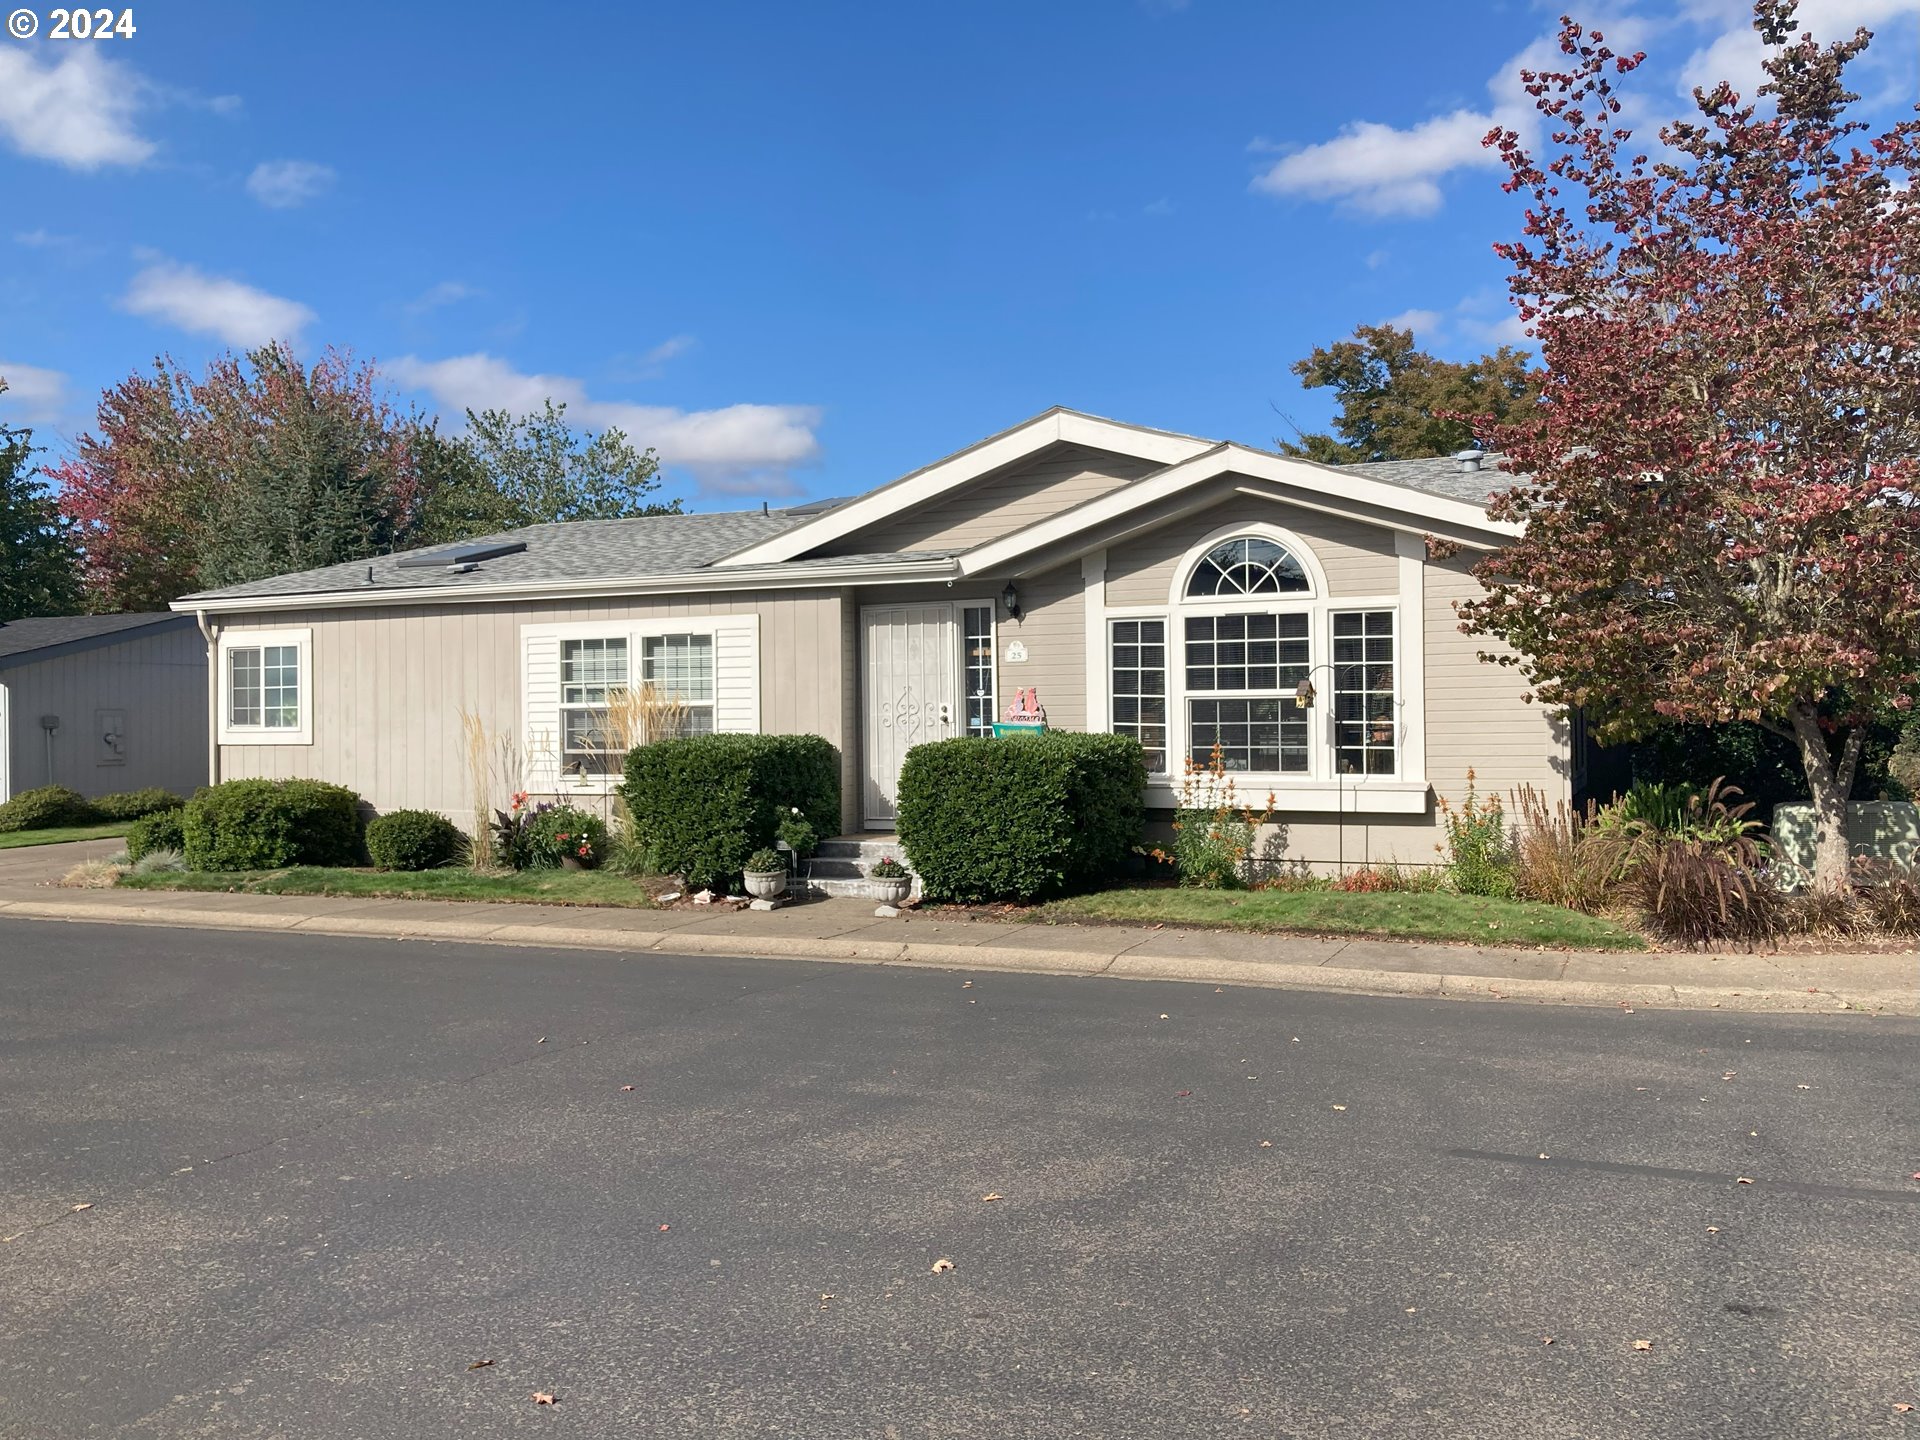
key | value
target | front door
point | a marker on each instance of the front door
(912, 675)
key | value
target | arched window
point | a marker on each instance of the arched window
(1247, 565)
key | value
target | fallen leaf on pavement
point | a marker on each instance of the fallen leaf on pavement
(1743, 1180)
(626, 1089)
(1166, 1017)
(544, 1397)
(966, 984)
(480, 1364)
(1899, 1409)
(1545, 1156)
(1266, 1144)
(1713, 1229)
(1181, 1094)
(665, 1228)
(1803, 1087)
(991, 1196)
(78, 1208)
(541, 1041)
(1546, 1339)
(1339, 1107)
(1730, 1074)
(942, 1265)
(1643, 1344)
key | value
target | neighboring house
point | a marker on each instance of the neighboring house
(1168, 587)
(103, 703)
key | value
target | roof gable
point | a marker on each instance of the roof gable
(977, 463)
(24, 642)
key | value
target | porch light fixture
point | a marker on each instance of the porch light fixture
(1010, 598)
(1303, 694)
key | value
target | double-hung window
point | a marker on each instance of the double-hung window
(1139, 666)
(1364, 723)
(1241, 671)
(265, 687)
(593, 699)
(676, 673)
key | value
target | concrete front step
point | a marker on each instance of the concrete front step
(839, 866)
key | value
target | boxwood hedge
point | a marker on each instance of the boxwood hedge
(413, 840)
(269, 824)
(702, 804)
(1021, 818)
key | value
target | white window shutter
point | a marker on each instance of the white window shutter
(540, 710)
(736, 674)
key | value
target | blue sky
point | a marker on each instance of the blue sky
(800, 249)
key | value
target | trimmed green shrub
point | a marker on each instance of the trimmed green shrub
(702, 804)
(1021, 818)
(162, 830)
(270, 824)
(560, 832)
(132, 804)
(413, 840)
(47, 807)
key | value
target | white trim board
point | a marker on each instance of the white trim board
(1323, 487)
(1009, 447)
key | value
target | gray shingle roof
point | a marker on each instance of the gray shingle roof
(570, 550)
(21, 640)
(1442, 475)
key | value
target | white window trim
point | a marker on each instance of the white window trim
(230, 734)
(990, 604)
(1321, 788)
(635, 632)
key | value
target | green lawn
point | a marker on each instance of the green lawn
(60, 834)
(547, 887)
(1399, 915)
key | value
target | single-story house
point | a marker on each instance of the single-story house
(103, 703)
(1190, 592)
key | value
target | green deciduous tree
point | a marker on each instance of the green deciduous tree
(1400, 403)
(509, 471)
(39, 565)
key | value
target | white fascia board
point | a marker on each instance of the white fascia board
(928, 484)
(783, 577)
(1234, 459)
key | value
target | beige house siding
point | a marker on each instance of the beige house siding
(1476, 716)
(1062, 477)
(158, 681)
(388, 685)
(1358, 558)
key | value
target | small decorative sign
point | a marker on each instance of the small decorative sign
(1015, 653)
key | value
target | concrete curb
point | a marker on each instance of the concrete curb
(1118, 964)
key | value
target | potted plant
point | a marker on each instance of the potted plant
(892, 880)
(766, 874)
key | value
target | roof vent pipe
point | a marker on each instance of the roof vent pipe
(1467, 460)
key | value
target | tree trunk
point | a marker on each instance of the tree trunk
(1829, 783)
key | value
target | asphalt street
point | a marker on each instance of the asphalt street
(262, 1185)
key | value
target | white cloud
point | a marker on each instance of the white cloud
(76, 112)
(1735, 54)
(1376, 170)
(288, 184)
(1158, 208)
(671, 348)
(1423, 323)
(33, 396)
(447, 292)
(214, 305)
(718, 443)
(1377, 258)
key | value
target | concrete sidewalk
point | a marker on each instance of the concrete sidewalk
(847, 931)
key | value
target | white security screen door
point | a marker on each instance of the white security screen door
(911, 668)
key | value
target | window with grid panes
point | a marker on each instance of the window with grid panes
(593, 673)
(977, 628)
(1138, 652)
(1241, 672)
(680, 670)
(1365, 731)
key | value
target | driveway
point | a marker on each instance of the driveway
(327, 1176)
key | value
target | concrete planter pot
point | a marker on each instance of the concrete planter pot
(766, 884)
(891, 889)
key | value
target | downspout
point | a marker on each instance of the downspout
(213, 698)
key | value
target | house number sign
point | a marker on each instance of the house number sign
(1015, 653)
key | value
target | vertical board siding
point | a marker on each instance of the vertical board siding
(1358, 558)
(160, 681)
(389, 685)
(1057, 479)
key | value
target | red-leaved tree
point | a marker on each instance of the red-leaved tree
(1718, 486)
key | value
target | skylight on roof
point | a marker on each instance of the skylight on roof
(461, 555)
